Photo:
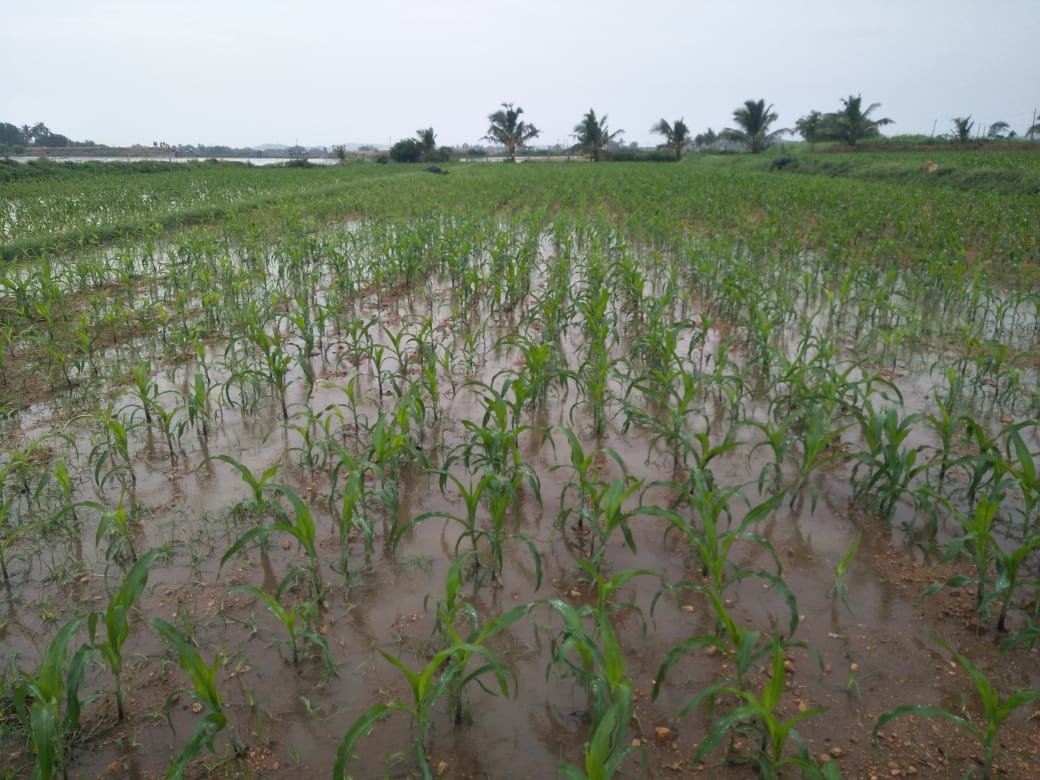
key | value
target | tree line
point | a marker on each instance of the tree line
(754, 129)
(35, 135)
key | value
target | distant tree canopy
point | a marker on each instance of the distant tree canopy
(32, 135)
(407, 150)
(810, 127)
(705, 139)
(1000, 130)
(422, 148)
(11, 135)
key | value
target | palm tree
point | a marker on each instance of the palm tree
(509, 130)
(961, 129)
(754, 119)
(676, 136)
(853, 122)
(427, 143)
(593, 135)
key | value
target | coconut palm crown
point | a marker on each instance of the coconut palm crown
(676, 137)
(593, 135)
(754, 119)
(427, 143)
(854, 122)
(509, 130)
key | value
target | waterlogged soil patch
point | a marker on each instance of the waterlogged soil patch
(485, 495)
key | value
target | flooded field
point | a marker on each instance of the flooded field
(482, 476)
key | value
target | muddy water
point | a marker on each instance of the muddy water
(874, 653)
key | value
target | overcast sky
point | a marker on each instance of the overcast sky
(322, 72)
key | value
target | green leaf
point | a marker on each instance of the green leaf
(240, 544)
(360, 728)
(202, 736)
(775, 687)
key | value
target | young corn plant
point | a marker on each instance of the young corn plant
(50, 696)
(980, 545)
(110, 455)
(115, 523)
(392, 445)
(740, 644)
(445, 674)
(58, 475)
(24, 470)
(274, 363)
(588, 648)
(714, 538)
(544, 367)
(8, 533)
(257, 485)
(1021, 465)
(312, 450)
(458, 623)
(493, 444)
(116, 622)
(203, 678)
(197, 405)
(674, 401)
(819, 435)
(995, 712)
(170, 422)
(351, 516)
(756, 714)
(838, 589)
(298, 620)
(500, 497)
(587, 486)
(600, 503)
(945, 423)
(301, 527)
(887, 469)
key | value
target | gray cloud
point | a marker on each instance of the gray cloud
(324, 72)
